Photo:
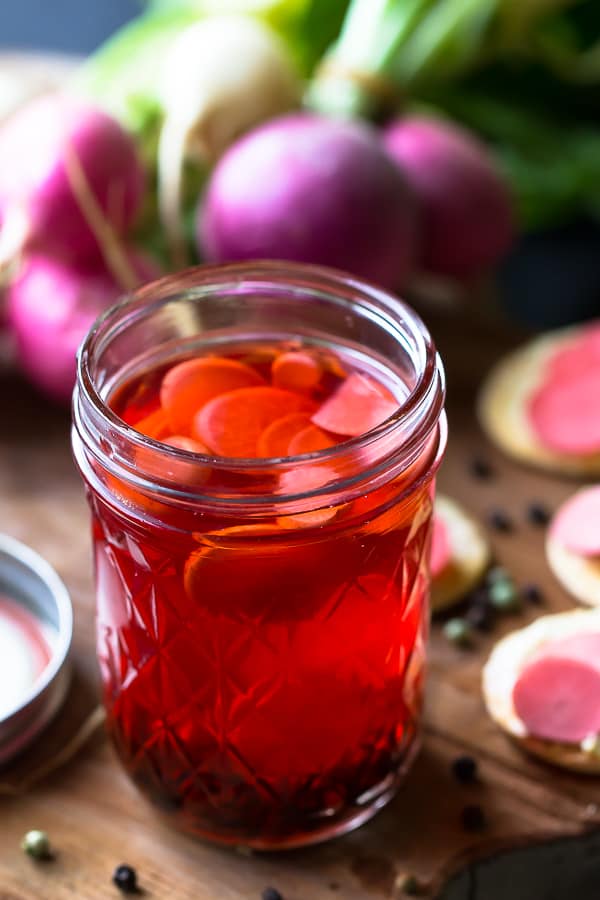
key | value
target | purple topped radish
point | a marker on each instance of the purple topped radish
(468, 221)
(311, 189)
(70, 178)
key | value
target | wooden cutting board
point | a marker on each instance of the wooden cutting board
(96, 819)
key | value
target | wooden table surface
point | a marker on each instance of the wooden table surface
(95, 817)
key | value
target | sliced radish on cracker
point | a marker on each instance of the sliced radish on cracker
(573, 545)
(541, 684)
(460, 554)
(576, 525)
(540, 403)
(564, 412)
(557, 695)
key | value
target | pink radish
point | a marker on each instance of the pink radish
(51, 305)
(70, 180)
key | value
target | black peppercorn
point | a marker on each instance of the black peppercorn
(537, 514)
(481, 616)
(125, 878)
(464, 769)
(271, 893)
(500, 521)
(473, 818)
(480, 468)
(533, 594)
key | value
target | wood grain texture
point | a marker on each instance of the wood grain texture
(97, 820)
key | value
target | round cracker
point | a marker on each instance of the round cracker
(502, 406)
(470, 555)
(502, 669)
(579, 575)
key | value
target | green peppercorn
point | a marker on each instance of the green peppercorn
(498, 573)
(459, 632)
(409, 885)
(504, 596)
(36, 844)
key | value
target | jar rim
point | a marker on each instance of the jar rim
(424, 401)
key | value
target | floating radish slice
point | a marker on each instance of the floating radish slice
(185, 443)
(564, 413)
(296, 371)
(577, 523)
(309, 440)
(357, 406)
(557, 696)
(441, 551)
(154, 426)
(191, 474)
(244, 572)
(275, 439)
(188, 386)
(231, 424)
(307, 478)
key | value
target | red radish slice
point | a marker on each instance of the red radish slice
(275, 439)
(577, 523)
(358, 405)
(189, 385)
(231, 424)
(307, 478)
(441, 551)
(296, 371)
(154, 425)
(564, 413)
(186, 473)
(244, 574)
(579, 355)
(310, 440)
(185, 443)
(558, 699)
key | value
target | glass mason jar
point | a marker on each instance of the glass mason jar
(262, 652)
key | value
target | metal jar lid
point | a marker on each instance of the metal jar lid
(32, 585)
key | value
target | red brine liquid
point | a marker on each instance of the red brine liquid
(262, 674)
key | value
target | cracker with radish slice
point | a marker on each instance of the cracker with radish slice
(573, 545)
(545, 657)
(524, 394)
(460, 554)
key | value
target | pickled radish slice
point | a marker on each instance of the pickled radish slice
(155, 425)
(564, 413)
(303, 479)
(441, 551)
(309, 440)
(190, 384)
(577, 523)
(275, 439)
(271, 580)
(358, 405)
(231, 424)
(296, 371)
(556, 697)
(185, 443)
